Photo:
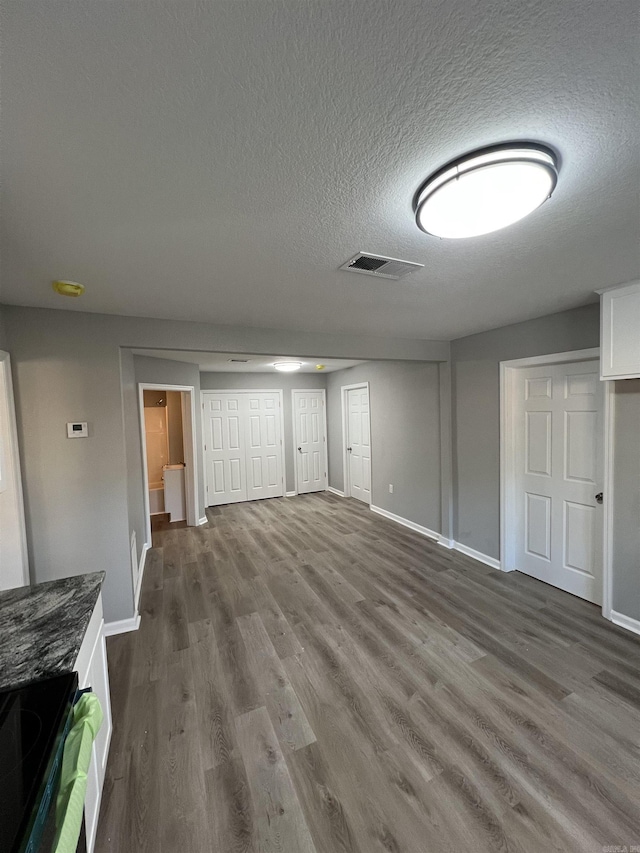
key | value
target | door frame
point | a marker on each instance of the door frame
(508, 375)
(280, 394)
(10, 465)
(188, 398)
(344, 392)
(326, 433)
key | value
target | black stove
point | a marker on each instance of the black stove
(34, 721)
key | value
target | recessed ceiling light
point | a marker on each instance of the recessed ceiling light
(319, 366)
(287, 366)
(486, 190)
(68, 288)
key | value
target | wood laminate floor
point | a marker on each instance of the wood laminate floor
(311, 678)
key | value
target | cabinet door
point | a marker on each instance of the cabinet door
(98, 680)
(620, 332)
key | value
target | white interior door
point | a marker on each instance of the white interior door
(359, 444)
(263, 445)
(310, 441)
(559, 453)
(242, 446)
(224, 448)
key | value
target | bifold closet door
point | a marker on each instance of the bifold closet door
(242, 446)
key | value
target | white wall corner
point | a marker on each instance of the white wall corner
(122, 626)
(418, 528)
(141, 565)
(445, 542)
(202, 520)
(335, 491)
(627, 622)
(478, 555)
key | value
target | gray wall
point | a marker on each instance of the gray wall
(476, 412)
(626, 499)
(270, 381)
(3, 337)
(405, 436)
(83, 497)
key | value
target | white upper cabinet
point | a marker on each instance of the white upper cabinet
(620, 332)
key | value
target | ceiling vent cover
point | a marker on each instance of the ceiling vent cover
(239, 360)
(380, 266)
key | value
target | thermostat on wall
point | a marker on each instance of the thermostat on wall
(77, 430)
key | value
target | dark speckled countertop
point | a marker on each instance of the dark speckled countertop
(42, 627)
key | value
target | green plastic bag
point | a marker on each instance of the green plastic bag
(76, 758)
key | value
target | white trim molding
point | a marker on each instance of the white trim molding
(122, 626)
(418, 528)
(290, 494)
(446, 542)
(625, 621)
(141, 567)
(202, 520)
(479, 556)
(335, 491)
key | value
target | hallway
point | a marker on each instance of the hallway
(308, 676)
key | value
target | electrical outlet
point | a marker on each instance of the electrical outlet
(390, 488)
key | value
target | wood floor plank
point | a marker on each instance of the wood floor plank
(311, 678)
(288, 718)
(279, 819)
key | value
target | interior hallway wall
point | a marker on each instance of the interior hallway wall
(476, 411)
(404, 400)
(84, 496)
(284, 382)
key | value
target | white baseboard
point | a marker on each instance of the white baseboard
(446, 543)
(477, 555)
(141, 565)
(290, 494)
(122, 626)
(418, 528)
(335, 491)
(203, 520)
(625, 622)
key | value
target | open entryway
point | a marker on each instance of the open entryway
(168, 437)
(553, 459)
(310, 437)
(243, 447)
(357, 441)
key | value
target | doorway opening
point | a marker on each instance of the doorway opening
(168, 437)
(553, 471)
(356, 434)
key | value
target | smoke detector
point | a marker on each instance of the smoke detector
(380, 266)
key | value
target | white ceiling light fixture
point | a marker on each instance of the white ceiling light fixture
(287, 366)
(486, 190)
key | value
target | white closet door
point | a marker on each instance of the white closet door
(559, 465)
(224, 448)
(359, 444)
(263, 431)
(242, 446)
(310, 441)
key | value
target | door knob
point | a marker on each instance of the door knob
(599, 497)
(299, 450)
(349, 449)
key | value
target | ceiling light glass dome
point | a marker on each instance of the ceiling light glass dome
(486, 190)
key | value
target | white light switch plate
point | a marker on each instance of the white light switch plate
(78, 430)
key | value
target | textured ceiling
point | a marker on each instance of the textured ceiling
(218, 161)
(218, 362)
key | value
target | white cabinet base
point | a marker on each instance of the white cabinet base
(91, 666)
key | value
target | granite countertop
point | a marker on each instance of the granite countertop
(42, 627)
